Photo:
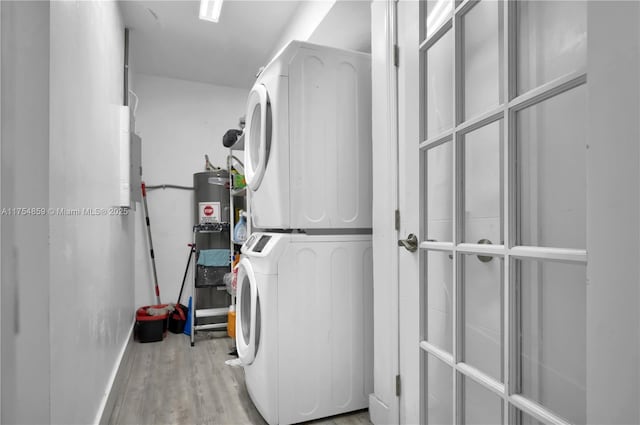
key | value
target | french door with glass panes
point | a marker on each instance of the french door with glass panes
(502, 174)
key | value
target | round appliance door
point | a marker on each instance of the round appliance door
(257, 136)
(247, 313)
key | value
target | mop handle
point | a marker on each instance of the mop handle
(192, 249)
(153, 257)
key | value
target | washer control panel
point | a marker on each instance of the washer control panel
(259, 243)
(250, 242)
(262, 242)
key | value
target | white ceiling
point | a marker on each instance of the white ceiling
(168, 39)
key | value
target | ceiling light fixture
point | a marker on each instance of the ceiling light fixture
(210, 10)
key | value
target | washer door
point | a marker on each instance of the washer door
(258, 136)
(247, 313)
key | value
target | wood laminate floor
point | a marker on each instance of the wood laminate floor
(170, 382)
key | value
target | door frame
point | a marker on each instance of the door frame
(409, 173)
(1, 220)
(384, 407)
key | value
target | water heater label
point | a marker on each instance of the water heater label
(209, 212)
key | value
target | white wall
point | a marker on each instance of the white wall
(343, 24)
(91, 257)
(303, 23)
(347, 25)
(25, 251)
(179, 122)
(613, 290)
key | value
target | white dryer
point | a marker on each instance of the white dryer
(308, 140)
(304, 325)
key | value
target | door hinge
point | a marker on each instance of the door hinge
(397, 385)
(397, 224)
(396, 55)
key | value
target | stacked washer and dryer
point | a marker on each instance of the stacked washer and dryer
(304, 325)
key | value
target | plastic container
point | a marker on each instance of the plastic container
(239, 181)
(240, 229)
(231, 322)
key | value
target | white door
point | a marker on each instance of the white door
(258, 135)
(496, 121)
(247, 313)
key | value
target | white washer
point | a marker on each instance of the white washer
(304, 325)
(308, 140)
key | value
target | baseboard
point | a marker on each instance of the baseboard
(116, 382)
(379, 413)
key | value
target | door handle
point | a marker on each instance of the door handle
(410, 244)
(485, 258)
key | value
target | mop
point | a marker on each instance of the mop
(153, 257)
(151, 321)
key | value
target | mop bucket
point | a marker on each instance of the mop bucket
(151, 328)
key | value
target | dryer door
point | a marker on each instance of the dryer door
(247, 313)
(258, 136)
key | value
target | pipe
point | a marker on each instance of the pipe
(169, 186)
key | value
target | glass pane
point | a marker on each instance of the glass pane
(481, 406)
(525, 419)
(254, 136)
(437, 12)
(440, 193)
(439, 380)
(483, 184)
(482, 293)
(551, 154)
(245, 306)
(553, 336)
(439, 85)
(439, 300)
(258, 323)
(552, 40)
(482, 27)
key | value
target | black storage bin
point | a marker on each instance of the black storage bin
(178, 320)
